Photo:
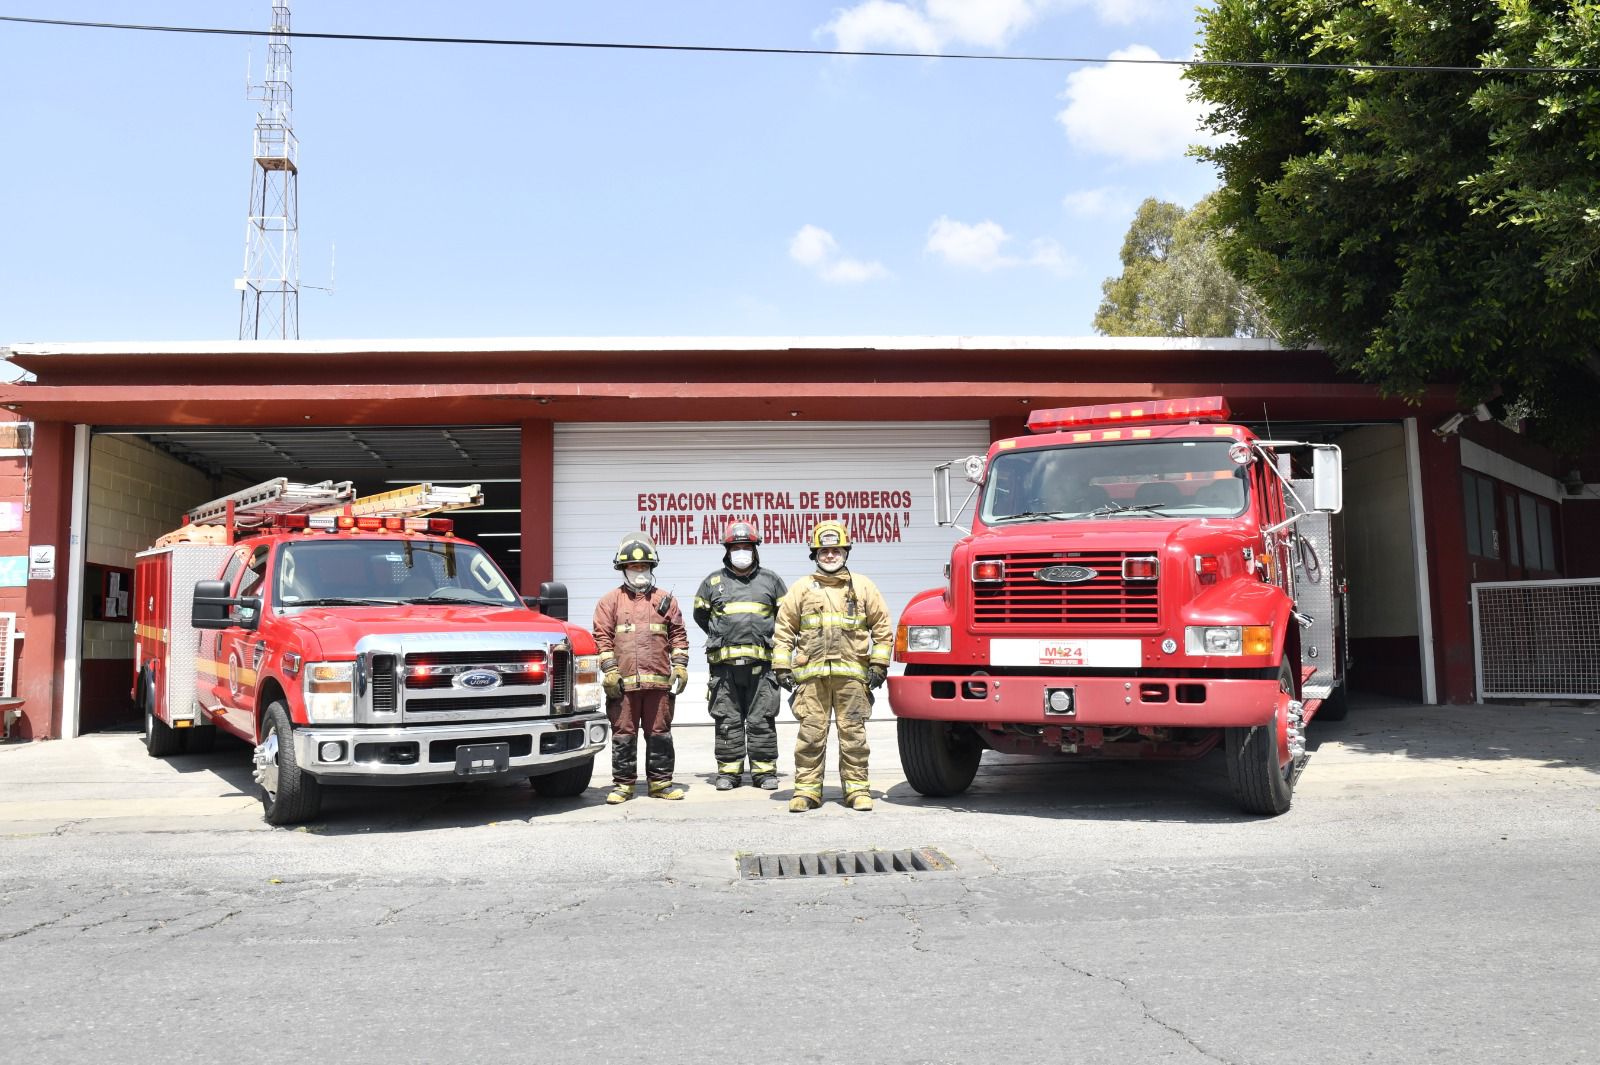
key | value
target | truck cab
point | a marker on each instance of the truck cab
(1131, 587)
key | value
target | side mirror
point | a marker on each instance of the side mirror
(551, 600)
(941, 496)
(1327, 479)
(213, 608)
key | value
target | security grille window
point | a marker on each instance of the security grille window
(1537, 639)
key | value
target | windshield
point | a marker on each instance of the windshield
(340, 572)
(1157, 479)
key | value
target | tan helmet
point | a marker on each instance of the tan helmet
(829, 534)
(636, 547)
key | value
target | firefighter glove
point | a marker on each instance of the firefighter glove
(876, 675)
(680, 679)
(785, 679)
(612, 683)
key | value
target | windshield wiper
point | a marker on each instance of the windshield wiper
(339, 601)
(1036, 515)
(443, 597)
(1120, 508)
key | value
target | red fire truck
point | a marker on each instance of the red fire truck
(358, 641)
(1141, 580)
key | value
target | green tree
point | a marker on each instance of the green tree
(1421, 225)
(1172, 281)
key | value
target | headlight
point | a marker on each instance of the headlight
(329, 693)
(587, 693)
(1211, 639)
(928, 638)
(1228, 640)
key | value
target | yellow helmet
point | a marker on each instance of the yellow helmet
(829, 534)
(636, 547)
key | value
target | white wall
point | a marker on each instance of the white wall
(1379, 562)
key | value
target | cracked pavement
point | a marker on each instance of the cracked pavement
(1428, 898)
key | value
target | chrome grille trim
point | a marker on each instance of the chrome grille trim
(1021, 599)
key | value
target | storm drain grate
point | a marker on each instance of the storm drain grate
(842, 863)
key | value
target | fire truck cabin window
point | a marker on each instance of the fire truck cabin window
(313, 572)
(1156, 479)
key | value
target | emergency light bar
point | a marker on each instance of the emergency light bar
(359, 523)
(1201, 409)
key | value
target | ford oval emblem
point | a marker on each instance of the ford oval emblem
(478, 679)
(1066, 574)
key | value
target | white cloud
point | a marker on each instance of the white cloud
(1105, 201)
(936, 25)
(814, 248)
(930, 25)
(1134, 113)
(980, 246)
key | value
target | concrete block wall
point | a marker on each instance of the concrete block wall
(136, 493)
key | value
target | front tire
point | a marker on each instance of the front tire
(289, 795)
(564, 783)
(1261, 772)
(940, 759)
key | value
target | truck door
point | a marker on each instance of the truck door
(238, 653)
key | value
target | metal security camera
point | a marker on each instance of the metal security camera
(1449, 425)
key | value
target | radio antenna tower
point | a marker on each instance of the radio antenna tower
(269, 291)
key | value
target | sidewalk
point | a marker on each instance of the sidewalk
(107, 783)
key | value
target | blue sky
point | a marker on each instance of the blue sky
(476, 191)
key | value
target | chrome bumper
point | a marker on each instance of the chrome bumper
(406, 755)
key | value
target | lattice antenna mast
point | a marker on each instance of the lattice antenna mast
(269, 291)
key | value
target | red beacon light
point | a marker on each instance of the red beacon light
(1155, 412)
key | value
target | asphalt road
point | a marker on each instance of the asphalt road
(1430, 897)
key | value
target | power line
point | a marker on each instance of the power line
(1381, 68)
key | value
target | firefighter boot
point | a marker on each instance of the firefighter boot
(620, 793)
(805, 798)
(857, 797)
(764, 775)
(728, 775)
(665, 789)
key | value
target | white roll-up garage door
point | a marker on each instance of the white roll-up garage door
(682, 482)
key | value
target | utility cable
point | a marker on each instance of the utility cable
(1381, 68)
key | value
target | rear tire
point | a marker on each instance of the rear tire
(161, 740)
(564, 783)
(291, 795)
(939, 759)
(1263, 782)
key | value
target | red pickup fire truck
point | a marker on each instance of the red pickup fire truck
(1141, 580)
(358, 641)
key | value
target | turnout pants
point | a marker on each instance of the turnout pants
(744, 704)
(651, 710)
(816, 702)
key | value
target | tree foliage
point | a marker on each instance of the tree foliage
(1173, 283)
(1422, 226)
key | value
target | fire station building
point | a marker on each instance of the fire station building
(579, 440)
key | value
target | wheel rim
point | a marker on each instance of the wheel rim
(266, 759)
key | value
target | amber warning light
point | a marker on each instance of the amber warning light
(1202, 409)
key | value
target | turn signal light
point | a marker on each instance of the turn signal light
(1207, 567)
(988, 571)
(1257, 639)
(1202, 409)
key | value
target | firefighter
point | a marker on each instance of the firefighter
(644, 656)
(831, 648)
(735, 607)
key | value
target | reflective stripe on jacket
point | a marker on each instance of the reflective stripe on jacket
(637, 640)
(737, 613)
(832, 624)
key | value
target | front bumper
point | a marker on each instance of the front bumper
(1099, 701)
(424, 753)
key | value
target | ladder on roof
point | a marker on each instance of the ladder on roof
(419, 499)
(277, 496)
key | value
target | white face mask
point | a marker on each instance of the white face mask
(833, 565)
(741, 559)
(639, 578)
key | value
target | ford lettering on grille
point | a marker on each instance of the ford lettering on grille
(1066, 574)
(478, 679)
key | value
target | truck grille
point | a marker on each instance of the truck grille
(383, 689)
(561, 680)
(1023, 599)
